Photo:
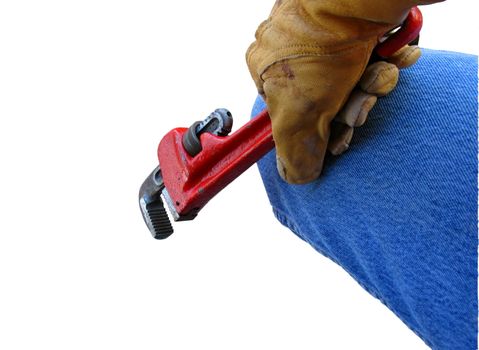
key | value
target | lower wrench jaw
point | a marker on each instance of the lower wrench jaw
(177, 216)
(152, 208)
(156, 219)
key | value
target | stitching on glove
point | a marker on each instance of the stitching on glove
(389, 68)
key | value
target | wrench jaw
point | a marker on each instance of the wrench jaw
(152, 208)
(151, 196)
(177, 216)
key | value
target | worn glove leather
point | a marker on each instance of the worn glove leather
(307, 58)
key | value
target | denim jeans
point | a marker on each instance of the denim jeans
(398, 211)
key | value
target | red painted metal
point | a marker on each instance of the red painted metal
(408, 32)
(192, 181)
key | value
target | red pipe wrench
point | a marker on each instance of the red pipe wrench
(196, 163)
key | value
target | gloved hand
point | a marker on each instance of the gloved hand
(306, 60)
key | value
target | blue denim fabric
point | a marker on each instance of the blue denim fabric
(398, 211)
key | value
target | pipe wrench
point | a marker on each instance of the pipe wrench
(196, 163)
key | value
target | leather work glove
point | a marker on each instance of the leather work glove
(307, 59)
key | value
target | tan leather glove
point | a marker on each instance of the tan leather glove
(307, 58)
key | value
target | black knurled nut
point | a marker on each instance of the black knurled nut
(191, 142)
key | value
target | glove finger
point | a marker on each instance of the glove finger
(300, 148)
(406, 56)
(379, 78)
(355, 111)
(300, 117)
(300, 160)
(341, 136)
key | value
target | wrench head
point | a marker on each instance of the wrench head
(151, 205)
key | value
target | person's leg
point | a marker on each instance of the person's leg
(398, 211)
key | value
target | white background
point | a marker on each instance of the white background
(87, 89)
